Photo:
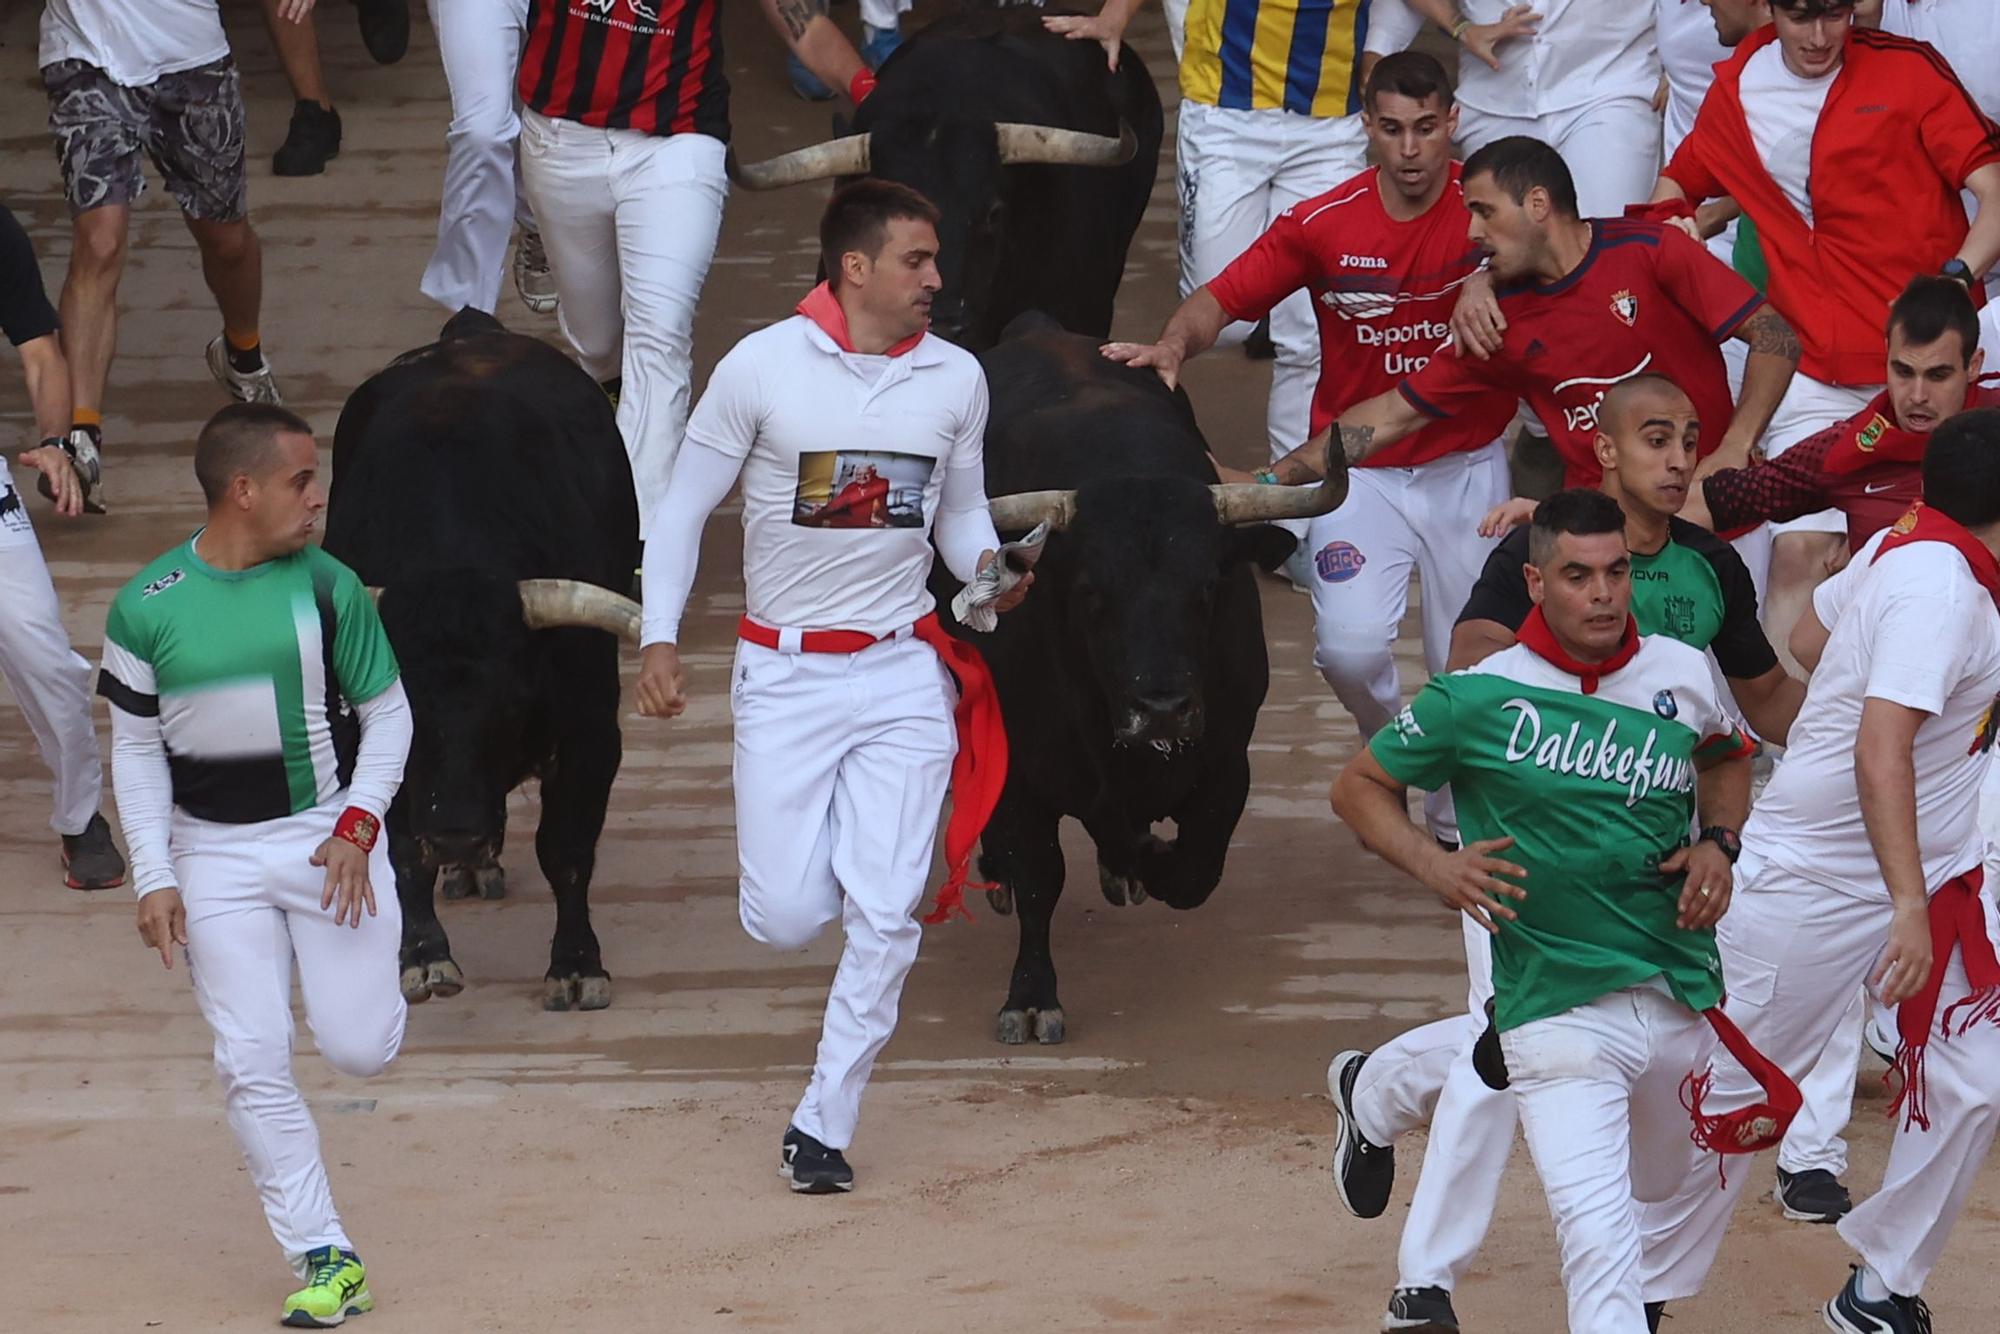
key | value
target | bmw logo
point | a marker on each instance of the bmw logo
(1664, 705)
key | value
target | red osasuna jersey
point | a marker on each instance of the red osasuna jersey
(1383, 292)
(1646, 298)
(649, 65)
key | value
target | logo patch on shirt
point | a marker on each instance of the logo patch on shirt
(1678, 614)
(1665, 705)
(1866, 437)
(1337, 562)
(163, 583)
(1405, 725)
(1625, 306)
(1363, 262)
(861, 489)
(1536, 348)
(1903, 525)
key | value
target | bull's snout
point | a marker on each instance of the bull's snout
(1164, 713)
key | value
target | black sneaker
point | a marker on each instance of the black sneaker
(811, 1167)
(1812, 1196)
(1654, 1310)
(1420, 1311)
(385, 28)
(312, 141)
(1851, 1313)
(1363, 1173)
(90, 859)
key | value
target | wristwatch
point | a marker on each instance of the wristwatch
(1959, 269)
(1725, 838)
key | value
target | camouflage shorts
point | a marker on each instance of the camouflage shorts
(189, 122)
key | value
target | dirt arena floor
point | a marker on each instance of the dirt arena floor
(522, 1171)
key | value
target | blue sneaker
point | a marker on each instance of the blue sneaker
(878, 44)
(1851, 1313)
(805, 83)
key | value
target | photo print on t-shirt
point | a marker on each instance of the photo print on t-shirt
(848, 488)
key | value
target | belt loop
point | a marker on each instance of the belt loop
(791, 639)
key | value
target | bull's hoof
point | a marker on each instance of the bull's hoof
(1119, 890)
(1000, 899)
(439, 978)
(576, 993)
(492, 882)
(1016, 1026)
(458, 883)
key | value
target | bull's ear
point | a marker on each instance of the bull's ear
(1268, 545)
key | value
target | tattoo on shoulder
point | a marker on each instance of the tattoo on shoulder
(1767, 331)
(799, 14)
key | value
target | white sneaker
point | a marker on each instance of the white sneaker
(532, 279)
(258, 386)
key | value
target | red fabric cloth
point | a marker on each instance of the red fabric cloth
(1540, 640)
(1958, 922)
(1924, 524)
(862, 84)
(1893, 145)
(822, 307)
(1747, 1129)
(978, 772)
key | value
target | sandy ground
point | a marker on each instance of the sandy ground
(526, 1171)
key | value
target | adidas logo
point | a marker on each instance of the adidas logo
(1535, 349)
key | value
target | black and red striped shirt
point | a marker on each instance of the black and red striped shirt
(649, 65)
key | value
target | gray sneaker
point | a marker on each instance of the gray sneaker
(258, 386)
(532, 279)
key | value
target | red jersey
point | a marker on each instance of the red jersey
(1383, 292)
(1867, 467)
(648, 65)
(1646, 298)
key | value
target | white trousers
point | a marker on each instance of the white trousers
(1598, 1088)
(480, 42)
(1238, 170)
(630, 222)
(252, 897)
(884, 13)
(1794, 954)
(48, 679)
(841, 764)
(1612, 147)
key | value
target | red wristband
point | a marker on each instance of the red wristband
(862, 84)
(357, 827)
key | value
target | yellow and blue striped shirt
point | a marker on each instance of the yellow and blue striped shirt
(1271, 55)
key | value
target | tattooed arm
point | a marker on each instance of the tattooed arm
(820, 46)
(1364, 428)
(1774, 355)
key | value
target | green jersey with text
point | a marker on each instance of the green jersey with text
(254, 675)
(1595, 789)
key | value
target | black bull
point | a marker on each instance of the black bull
(1131, 677)
(461, 470)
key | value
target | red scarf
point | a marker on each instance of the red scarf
(1958, 921)
(822, 307)
(978, 771)
(1540, 640)
(1924, 524)
(1872, 436)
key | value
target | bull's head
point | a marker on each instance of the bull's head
(465, 642)
(956, 162)
(1149, 556)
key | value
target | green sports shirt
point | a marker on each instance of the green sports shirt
(254, 675)
(1595, 788)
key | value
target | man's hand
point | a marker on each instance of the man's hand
(1477, 326)
(661, 691)
(163, 922)
(1705, 892)
(1481, 38)
(53, 463)
(1906, 962)
(1012, 598)
(1468, 880)
(1164, 358)
(1734, 450)
(1506, 515)
(294, 10)
(1107, 29)
(347, 889)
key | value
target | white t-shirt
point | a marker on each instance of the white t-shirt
(1689, 50)
(1392, 26)
(1583, 51)
(1965, 32)
(1783, 111)
(845, 457)
(1914, 628)
(134, 41)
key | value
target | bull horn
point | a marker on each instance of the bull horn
(1020, 512)
(547, 604)
(846, 156)
(1045, 144)
(1258, 502)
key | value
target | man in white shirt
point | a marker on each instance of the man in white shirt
(1862, 863)
(859, 437)
(128, 81)
(1965, 32)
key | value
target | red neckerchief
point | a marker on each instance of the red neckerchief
(822, 307)
(1871, 436)
(1924, 524)
(1541, 641)
(1958, 923)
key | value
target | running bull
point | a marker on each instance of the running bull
(1040, 159)
(1130, 680)
(481, 485)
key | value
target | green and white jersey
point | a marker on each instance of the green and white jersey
(1595, 788)
(253, 674)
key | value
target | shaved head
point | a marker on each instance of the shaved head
(240, 441)
(1632, 401)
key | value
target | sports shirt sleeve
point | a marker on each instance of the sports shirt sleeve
(1501, 594)
(1451, 384)
(1713, 293)
(1790, 486)
(1955, 134)
(362, 658)
(1276, 265)
(25, 312)
(1417, 748)
(141, 782)
(1392, 26)
(964, 528)
(731, 409)
(1741, 648)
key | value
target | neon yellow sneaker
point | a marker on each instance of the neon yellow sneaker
(336, 1288)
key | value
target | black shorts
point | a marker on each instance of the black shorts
(190, 122)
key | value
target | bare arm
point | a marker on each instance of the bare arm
(1767, 373)
(1372, 805)
(1479, 38)
(1370, 425)
(1885, 776)
(1982, 244)
(47, 374)
(1808, 638)
(1106, 27)
(1191, 330)
(1475, 641)
(1770, 702)
(820, 46)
